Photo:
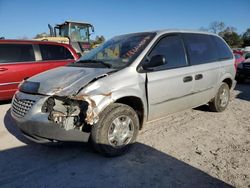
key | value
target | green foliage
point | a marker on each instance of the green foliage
(233, 39)
(229, 34)
(99, 39)
(246, 38)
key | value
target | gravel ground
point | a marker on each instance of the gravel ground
(193, 148)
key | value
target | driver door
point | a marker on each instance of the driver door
(169, 86)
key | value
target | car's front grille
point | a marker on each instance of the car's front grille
(21, 107)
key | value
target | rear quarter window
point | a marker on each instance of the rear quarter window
(224, 52)
(54, 52)
(11, 53)
(200, 48)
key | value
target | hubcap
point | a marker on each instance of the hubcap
(224, 97)
(120, 131)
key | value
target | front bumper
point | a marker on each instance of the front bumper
(36, 126)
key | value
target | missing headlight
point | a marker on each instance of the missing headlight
(68, 113)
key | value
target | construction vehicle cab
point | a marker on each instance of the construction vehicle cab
(77, 34)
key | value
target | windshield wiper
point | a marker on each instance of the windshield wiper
(94, 61)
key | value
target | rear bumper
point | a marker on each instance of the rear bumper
(36, 126)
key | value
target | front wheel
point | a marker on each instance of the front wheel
(221, 100)
(116, 130)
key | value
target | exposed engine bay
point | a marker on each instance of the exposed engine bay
(67, 113)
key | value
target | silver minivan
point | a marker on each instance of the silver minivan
(110, 93)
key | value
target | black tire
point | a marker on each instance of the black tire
(216, 104)
(100, 131)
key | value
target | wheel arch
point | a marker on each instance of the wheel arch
(229, 79)
(229, 82)
(135, 103)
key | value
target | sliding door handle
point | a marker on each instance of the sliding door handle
(3, 69)
(187, 79)
(198, 76)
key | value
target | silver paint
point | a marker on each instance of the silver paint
(166, 92)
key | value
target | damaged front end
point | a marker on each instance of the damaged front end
(68, 103)
(70, 113)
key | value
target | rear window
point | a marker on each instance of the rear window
(224, 51)
(11, 53)
(54, 52)
(201, 48)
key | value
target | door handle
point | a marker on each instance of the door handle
(187, 79)
(198, 76)
(3, 69)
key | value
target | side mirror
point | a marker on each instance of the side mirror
(155, 61)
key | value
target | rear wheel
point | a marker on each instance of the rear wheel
(116, 130)
(221, 100)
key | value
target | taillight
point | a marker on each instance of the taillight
(235, 66)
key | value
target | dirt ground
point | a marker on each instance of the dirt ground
(193, 148)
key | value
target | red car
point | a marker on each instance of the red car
(238, 59)
(238, 51)
(21, 59)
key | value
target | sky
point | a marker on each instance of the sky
(26, 18)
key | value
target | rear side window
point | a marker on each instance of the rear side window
(224, 51)
(10, 53)
(54, 52)
(200, 48)
(171, 47)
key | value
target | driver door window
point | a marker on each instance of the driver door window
(171, 47)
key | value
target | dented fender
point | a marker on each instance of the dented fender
(95, 105)
(100, 93)
(105, 91)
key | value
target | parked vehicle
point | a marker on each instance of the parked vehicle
(21, 59)
(247, 55)
(111, 92)
(243, 71)
(77, 34)
(247, 49)
(238, 51)
(246, 52)
(238, 59)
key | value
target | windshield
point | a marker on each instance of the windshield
(79, 33)
(118, 52)
(64, 31)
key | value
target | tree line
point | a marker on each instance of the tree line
(229, 34)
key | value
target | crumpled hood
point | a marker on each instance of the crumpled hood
(64, 81)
